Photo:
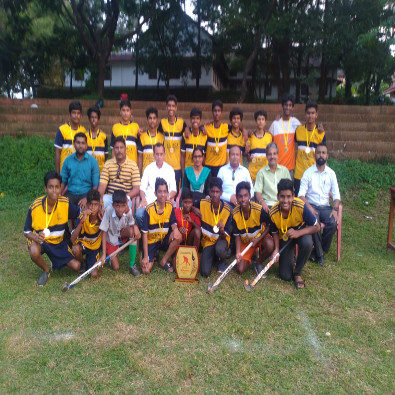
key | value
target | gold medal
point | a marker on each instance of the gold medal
(286, 149)
(253, 159)
(46, 232)
(171, 149)
(216, 150)
(308, 150)
(215, 229)
(285, 237)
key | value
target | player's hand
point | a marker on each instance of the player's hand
(221, 227)
(187, 133)
(321, 128)
(137, 234)
(187, 217)
(143, 203)
(334, 214)
(197, 212)
(238, 257)
(140, 131)
(183, 230)
(293, 233)
(255, 241)
(102, 260)
(82, 203)
(250, 133)
(100, 214)
(233, 200)
(144, 262)
(247, 149)
(275, 256)
(265, 206)
(40, 237)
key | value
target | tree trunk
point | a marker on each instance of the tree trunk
(136, 80)
(298, 74)
(101, 70)
(251, 58)
(323, 66)
(198, 65)
(71, 80)
(347, 92)
(367, 90)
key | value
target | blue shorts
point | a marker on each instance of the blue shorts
(155, 247)
(59, 254)
(91, 256)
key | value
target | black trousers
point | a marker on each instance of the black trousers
(286, 261)
(322, 240)
(211, 254)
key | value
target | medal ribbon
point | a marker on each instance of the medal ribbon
(217, 139)
(171, 139)
(46, 214)
(307, 135)
(286, 134)
(286, 224)
(91, 136)
(182, 224)
(160, 225)
(216, 218)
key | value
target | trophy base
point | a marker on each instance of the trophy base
(186, 281)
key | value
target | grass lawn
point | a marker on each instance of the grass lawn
(120, 334)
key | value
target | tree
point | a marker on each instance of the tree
(105, 25)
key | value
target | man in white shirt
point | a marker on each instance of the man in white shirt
(317, 183)
(156, 169)
(268, 178)
(283, 132)
(231, 174)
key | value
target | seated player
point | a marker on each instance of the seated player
(45, 225)
(196, 138)
(158, 219)
(148, 138)
(287, 215)
(118, 227)
(249, 219)
(257, 144)
(188, 223)
(86, 236)
(216, 223)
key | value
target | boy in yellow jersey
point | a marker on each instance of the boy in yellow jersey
(216, 226)
(236, 136)
(173, 128)
(127, 129)
(257, 143)
(196, 138)
(148, 138)
(45, 225)
(97, 139)
(249, 219)
(217, 139)
(86, 236)
(65, 135)
(160, 230)
(307, 136)
(292, 222)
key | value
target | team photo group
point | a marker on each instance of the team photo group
(254, 195)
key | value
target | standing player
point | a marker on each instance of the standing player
(127, 129)
(308, 136)
(283, 132)
(148, 139)
(235, 135)
(97, 139)
(196, 138)
(217, 139)
(257, 144)
(65, 135)
(45, 225)
(173, 127)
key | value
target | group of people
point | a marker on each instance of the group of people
(170, 184)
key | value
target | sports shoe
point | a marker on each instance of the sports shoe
(320, 260)
(258, 268)
(42, 279)
(221, 267)
(134, 271)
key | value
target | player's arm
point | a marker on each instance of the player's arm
(140, 162)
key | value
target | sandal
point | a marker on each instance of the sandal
(166, 267)
(298, 283)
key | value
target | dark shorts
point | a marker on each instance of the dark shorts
(155, 247)
(92, 256)
(59, 254)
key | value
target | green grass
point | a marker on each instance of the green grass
(121, 334)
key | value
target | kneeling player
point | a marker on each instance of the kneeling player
(249, 219)
(158, 219)
(86, 236)
(118, 226)
(288, 214)
(45, 225)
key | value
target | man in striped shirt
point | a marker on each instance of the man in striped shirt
(120, 173)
